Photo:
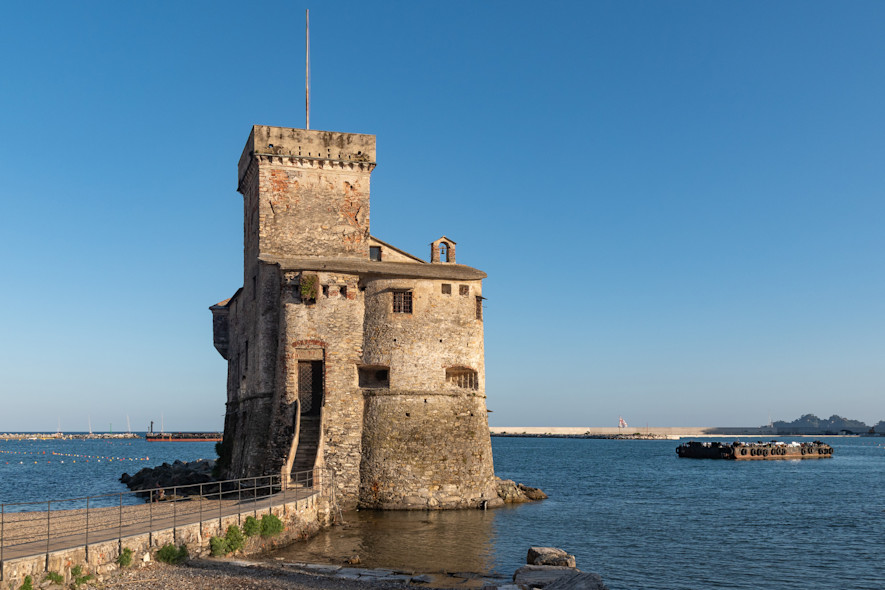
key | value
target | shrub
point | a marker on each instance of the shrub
(251, 526)
(125, 557)
(55, 578)
(26, 584)
(271, 525)
(235, 538)
(219, 546)
(78, 577)
(169, 553)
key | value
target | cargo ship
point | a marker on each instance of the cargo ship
(183, 436)
(757, 451)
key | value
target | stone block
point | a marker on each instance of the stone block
(549, 556)
(541, 576)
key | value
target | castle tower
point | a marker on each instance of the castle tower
(344, 352)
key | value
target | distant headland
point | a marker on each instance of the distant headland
(807, 425)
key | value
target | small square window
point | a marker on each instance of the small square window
(446, 289)
(402, 302)
(464, 290)
(375, 253)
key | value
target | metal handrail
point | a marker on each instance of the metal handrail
(36, 528)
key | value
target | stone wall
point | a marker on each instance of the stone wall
(425, 439)
(426, 451)
(334, 324)
(306, 217)
(301, 519)
(441, 332)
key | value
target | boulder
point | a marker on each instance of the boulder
(554, 577)
(549, 556)
(582, 581)
(513, 493)
(532, 493)
(541, 576)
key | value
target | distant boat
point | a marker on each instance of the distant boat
(183, 436)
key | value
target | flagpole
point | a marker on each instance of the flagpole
(307, 69)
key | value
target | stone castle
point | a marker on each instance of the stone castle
(345, 353)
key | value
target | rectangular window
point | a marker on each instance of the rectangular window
(402, 302)
(374, 377)
(375, 253)
(463, 290)
(254, 286)
(343, 292)
(246, 358)
(446, 289)
(479, 308)
(462, 377)
(325, 290)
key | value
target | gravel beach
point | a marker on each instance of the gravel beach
(200, 574)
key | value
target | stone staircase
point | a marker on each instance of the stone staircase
(308, 441)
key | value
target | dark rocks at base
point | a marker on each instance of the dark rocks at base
(554, 577)
(513, 493)
(549, 556)
(552, 568)
(183, 478)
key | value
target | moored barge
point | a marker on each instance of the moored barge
(183, 436)
(757, 451)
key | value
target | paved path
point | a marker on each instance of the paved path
(25, 534)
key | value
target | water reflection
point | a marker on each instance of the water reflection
(449, 541)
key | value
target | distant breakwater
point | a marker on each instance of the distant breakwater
(633, 436)
(67, 436)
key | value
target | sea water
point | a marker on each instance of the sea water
(50, 469)
(631, 511)
(643, 518)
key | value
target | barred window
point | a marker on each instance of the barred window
(462, 377)
(479, 308)
(402, 302)
(464, 290)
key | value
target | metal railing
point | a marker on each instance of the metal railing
(35, 528)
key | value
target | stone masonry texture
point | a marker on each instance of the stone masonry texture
(371, 369)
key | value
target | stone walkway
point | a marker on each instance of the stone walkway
(24, 534)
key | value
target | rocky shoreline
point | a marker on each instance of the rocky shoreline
(184, 479)
(547, 568)
(167, 477)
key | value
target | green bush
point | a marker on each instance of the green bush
(235, 538)
(55, 578)
(219, 546)
(27, 584)
(271, 525)
(251, 526)
(78, 577)
(169, 553)
(125, 557)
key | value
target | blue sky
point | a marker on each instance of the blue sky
(679, 204)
